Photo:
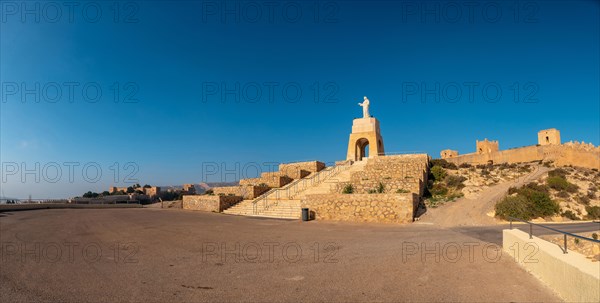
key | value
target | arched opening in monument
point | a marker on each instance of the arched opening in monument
(362, 149)
(480, 150)
(547, 139)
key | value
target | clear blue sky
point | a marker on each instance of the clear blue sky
(172, 61)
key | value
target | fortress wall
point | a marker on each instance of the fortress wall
(560, 154)
(579, 157)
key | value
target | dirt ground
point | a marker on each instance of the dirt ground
(167, 255)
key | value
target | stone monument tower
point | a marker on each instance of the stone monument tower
(365, 133)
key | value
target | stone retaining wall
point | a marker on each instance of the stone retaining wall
(272, 180)
(381, 208)
(209, 202)
(401, 172)
(245, 191)
(300, 170)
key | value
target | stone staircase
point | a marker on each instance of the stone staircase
(284, 202)
(329, 185)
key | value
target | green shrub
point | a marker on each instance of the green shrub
(372, 191)
(516, 207)
(438, 189)
(402, 191)
(525, 169)
(560, 183)
(209, 192)
(531, 201)
(512, 190)
(595, 236)
(465, 165)
(593, 212)
(537, 187)
(485, 172)
(559, 172)
(455, 181)
(348, 189)
(438, 173)
(444, 164)
(563, 194)
(569, 214)
(583, 199)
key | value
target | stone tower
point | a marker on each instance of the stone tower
(448, 153)
(365, 133)
(549, 136)
(486, 147)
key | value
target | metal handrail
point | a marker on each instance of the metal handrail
(328, 172)
(410, 152)
(531, 224)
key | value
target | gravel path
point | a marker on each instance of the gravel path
(475, 212)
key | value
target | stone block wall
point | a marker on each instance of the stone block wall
(300, 170)
(253, 187)
(245, 191)
(209, 203)
(380, 208)
(402, 172)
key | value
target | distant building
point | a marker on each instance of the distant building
(189, 189)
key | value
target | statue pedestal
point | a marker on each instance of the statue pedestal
(365, 132)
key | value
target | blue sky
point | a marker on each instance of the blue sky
(168, 71)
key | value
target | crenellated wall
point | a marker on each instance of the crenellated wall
(571, 153)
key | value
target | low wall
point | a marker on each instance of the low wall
(245, 191)
(275, 179)
(571, 275)
(209, 203)
(381, 208)
(16, 207)
(300, 170)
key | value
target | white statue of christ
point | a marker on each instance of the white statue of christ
(365, 106)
